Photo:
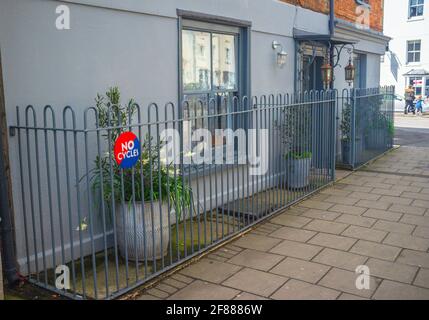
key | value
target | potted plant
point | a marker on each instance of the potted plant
(143, 196)
(295, 128)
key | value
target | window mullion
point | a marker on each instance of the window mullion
(211, 62)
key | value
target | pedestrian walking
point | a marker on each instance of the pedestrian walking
(409, 100)
(419, 105)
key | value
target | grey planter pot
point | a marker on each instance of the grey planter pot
(140, 240)
(299, 173)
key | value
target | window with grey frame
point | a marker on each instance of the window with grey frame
(416, 8)
(413, 51)
(210, 78)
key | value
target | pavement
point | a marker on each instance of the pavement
(377, 217)
(412, 130)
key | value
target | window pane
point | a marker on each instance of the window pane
(421, 1)
(224, 61)
(411, 46)
(418, 91)
(413, 2)
(196, 59)
(410, 57)
(417, 46)
(417, 57)
(420, 10)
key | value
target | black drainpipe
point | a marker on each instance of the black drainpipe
(331, 17)
(6, 230)
(331, 33)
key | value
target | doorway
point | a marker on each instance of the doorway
(312, 74)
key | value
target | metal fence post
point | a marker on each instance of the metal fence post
(333, 119)
(353, 129)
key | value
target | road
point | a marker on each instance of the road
(412, 130)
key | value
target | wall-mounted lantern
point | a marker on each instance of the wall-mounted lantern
(327, 73)
(350, 72)
(281, 56)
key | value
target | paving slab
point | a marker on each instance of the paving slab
(390, 290)
(345, 281)
(391, 270)
(340, 259)
(300, 290)
(200, 290)
(296, 249)
(406, 241)
(210, 270)
(332, 241)
(290, 220)
(395, 227)
(422, 278)
(381, 205)
(422, 232)
(352, 210)
(414, 258)
(356, 220)
(364, 233)
(257, 242)
(314, 204)
(321, 214)
(408, 209)
(416, 220)
(300, 269)
(256, 259)
(256, 282)
(375, 250)
(326, 226)
(293, 234)
(383, 214)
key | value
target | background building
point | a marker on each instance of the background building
(407, 62)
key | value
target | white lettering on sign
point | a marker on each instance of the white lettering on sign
(127, 145)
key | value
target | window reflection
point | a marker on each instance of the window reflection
(224, 67)
(196, 60)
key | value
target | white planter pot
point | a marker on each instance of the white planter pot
(299, 173)
(138, 238)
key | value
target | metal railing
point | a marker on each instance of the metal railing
(365, 123)
(89, 229)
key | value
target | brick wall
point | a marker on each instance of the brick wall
(345, 9)
(315, 5)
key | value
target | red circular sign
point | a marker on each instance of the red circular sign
(127, 150)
